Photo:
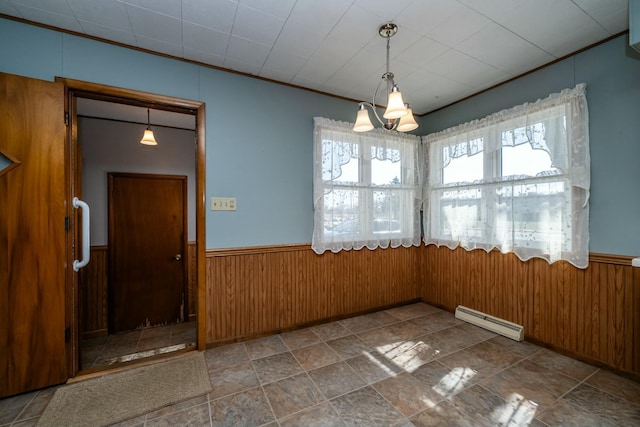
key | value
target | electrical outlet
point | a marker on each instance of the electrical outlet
(223, 203)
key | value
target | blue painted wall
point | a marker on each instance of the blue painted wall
(259, 135)
(612, 74)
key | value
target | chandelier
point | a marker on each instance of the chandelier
(398, 115)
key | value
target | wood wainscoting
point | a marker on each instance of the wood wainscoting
(592, 314)
(260, 290)
(93, 291)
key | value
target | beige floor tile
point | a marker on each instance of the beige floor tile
(232, 379)
(366, 407)
(444, 414)
(263, 347)
(300, 338)
(220, 357)
(322, 415)
(292, 395)
(563, 364)
(248, 408)
(532, 382)
(349, 346)
(336, 379)
(276, 367)
(330, 331)
(316, 356)
(359, 324)
(604, 405)
(563, 413)
(616, 385)
(373, 367)
(408, 394)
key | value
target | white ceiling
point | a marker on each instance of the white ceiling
(444, 50)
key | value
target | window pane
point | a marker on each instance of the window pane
(350, 172)
(461, 215)
(385, 172)
(464, 169)
(532, 215)
(392, 213)
(524, 160)
(340, 161)
(341, 212)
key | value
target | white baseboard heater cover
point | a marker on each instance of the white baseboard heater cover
(494, 324)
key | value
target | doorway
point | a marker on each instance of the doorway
(101, 341)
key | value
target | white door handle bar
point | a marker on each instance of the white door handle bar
(86, 217)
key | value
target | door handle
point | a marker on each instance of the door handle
(86, 217)
(178, 257)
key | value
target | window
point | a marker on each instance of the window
(366, 188)
(517, 180)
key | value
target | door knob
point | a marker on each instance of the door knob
(178, 257)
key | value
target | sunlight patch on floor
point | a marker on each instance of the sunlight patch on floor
(517, 411)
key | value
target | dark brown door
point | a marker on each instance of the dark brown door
(32, 235)
(147, 242)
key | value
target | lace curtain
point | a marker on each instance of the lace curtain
(480, 195)
(366, 190)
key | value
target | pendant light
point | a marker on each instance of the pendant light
(398, 114)
(147, 137)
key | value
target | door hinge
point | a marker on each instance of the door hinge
(67, 335)
(67, 223)
(66, 118)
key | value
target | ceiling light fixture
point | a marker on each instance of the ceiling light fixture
(147, 137)
(398, 114)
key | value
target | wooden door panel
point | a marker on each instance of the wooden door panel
(32, 235)
(147, 231)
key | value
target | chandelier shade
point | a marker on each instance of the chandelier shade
(407, 122)
(363, 123)
(148, 138)
(398, 115)
(395, 105)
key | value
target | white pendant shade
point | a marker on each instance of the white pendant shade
(148, 138)
(395, 106)
(363, 123)
(407, 122)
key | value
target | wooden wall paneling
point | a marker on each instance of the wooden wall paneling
(255, 291)
(591, 298)
(191, 278)
(634, 307)
(576, 295)
(624, 282)
(602, 311)
(591, 313)
(93, 291)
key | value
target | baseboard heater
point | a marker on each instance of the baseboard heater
(494, 324)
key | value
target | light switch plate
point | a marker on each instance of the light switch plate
(223, 203)
(635, 262)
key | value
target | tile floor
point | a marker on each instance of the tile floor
(126, 346)
(408, 366)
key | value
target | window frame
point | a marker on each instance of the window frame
(554, 112)
(367, 148)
